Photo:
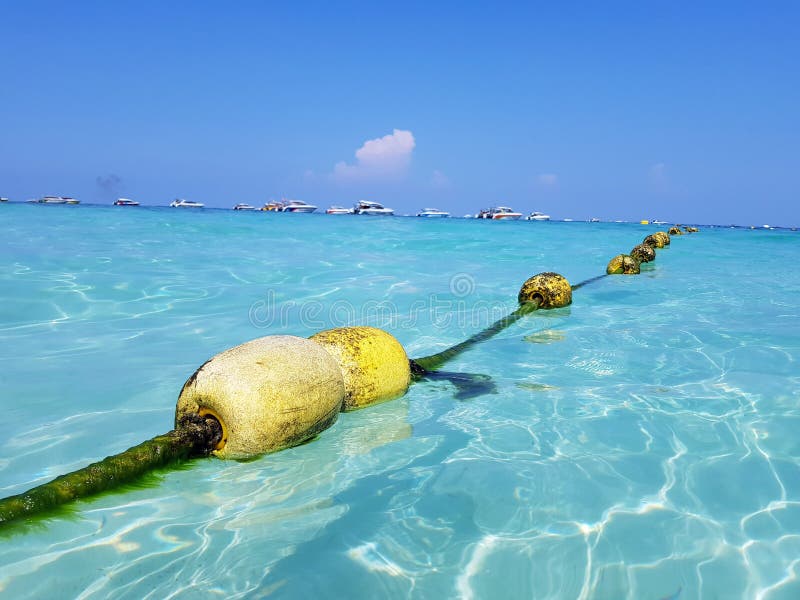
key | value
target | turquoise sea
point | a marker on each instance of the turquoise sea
(641, 443)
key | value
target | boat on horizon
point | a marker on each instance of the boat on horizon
(499, 213)
(244, 207)
(2, 199)
(433, 213)
(335, 209)
(537, 216)
(272, 206)
(125, 202)
(56, 200)
(297, 206)
(367, 207)
(181, 203)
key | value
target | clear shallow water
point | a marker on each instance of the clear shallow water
(642, 443)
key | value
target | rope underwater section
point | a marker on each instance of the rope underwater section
(251, 399)
(194, 437)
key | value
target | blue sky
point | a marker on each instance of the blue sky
(621, 110)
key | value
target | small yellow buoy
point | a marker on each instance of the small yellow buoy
(643, 253)
(550, 289)
(269, 393)
(374, 365)
(675, 231)
(622, 264)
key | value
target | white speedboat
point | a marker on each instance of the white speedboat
(298, 206)
(181, 203)
(365, 207)
(57, 200)
(125, 202)
(433, 213)
(3, 199)
(244, 207)
(499, 213)
(338, 210)
(537, 216)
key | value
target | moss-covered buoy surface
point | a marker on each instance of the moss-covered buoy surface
(268, 394)
(643, 253)
(675, 231)
(663, 236)
(653, 241)
(373, 363)
(623, 264)
(550, 289)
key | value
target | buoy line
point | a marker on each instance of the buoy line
(247, 400)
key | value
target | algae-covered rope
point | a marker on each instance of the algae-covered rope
(420, 367)
(434, 361)
(194, 436)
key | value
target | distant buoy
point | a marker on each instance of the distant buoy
(550, 289)
(374, 366)
(675, 231)
(623, 264)
(268, 394)
(691, 229)
(643, 253)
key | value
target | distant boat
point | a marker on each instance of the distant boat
(56, 200)
(272, 207)
(181, 203)
(567, 220)
(594, 220)
(644, 222)
(498, 213)
(298, 206)
(125, 202)
(433, 213)
(537, 216)
(366, 207)
(3, 199)
(656, 222)
(244, 207)
(338, 210)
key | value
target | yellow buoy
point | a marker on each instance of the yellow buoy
(643, 253)
(653, 241)
(675, 231)
(374, 365)
(663, 236)
(550, 289)
(622, 264)
(269, 393)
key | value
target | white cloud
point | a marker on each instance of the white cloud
(548, 179)
(382, 158)
(440, 180)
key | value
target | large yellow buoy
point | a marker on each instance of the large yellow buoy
(374, 366)
(622, 264)
(653, 241)
(269, 393)
(550, 289)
